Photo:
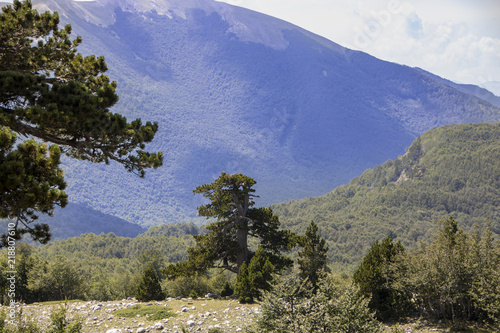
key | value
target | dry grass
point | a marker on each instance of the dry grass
(202, 314)
(97, 317)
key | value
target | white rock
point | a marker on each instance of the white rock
(190, 323)
(114, 330)
(96, 307)
(158, 326)
(141, 330)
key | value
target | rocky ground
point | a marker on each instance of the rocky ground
(193, 315)
(198, 315)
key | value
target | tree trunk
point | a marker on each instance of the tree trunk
(242, 240)
(242, 225)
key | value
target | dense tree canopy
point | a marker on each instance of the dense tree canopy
(51, 93)
(451, 170)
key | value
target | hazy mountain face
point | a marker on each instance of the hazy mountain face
(238, 91)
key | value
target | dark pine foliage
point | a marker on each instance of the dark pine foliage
(149, 288)
(50, 92)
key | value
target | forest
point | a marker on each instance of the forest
(459, 255)
(454, 277)
(416, 237)
(449, 270)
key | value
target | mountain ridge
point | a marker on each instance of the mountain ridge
(286, 116)
(448, 171)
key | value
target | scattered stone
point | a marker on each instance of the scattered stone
(114, 330)
(158, 326)
(141, 330)
(190, 323)
(96, 307)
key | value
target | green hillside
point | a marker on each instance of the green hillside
(452, 170)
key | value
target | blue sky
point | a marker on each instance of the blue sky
(456, 39)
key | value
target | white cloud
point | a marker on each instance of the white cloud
(456, 39)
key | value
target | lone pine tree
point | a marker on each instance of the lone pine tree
(313, 257)
(226, 244)
(51, 93)
(149, 287)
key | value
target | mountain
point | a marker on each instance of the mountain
(448, 171)
(76, 219)
(485, 92)
(238, 91)
(451, 170)
(493, 86)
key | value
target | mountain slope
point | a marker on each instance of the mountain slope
(78, 220)
(238, 91)
(452, 170)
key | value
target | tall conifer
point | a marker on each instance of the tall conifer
(313, 257)
(149, 288)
